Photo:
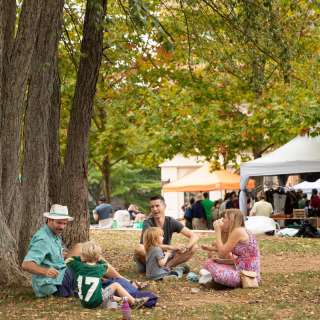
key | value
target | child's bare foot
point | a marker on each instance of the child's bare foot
(116, 298)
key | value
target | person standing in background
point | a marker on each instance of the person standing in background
(216, 210)
(207, 205)
(198, 214)
(302, 201)
(261, 207)
(188, 214)
(315, 199)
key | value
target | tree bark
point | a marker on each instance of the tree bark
(106, 175)
(9, 267)
(16, 67)
(36, 135)
(75, 189)
(15, 58)
(7, 23)
(8, 249)
(54, 145)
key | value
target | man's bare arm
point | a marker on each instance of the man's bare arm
(33, 268)
(193, 238)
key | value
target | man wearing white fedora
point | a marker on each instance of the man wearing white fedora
(45, 259)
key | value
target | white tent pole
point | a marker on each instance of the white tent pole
(243, 195)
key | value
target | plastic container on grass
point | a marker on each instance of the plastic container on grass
(114, 224)
(125, 309)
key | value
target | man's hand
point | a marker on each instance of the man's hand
(52, 273)
(181, 248)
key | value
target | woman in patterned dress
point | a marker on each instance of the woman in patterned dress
(233, 241)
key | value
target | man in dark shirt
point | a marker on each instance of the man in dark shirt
(169, 225)
(103, 212)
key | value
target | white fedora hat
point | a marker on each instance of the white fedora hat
(58, 211)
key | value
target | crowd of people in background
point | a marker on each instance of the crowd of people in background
(285, 201)
(201, 212)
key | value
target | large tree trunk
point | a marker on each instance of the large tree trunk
(7, 23)
(36, 136)
(15, 58)
(54, 145)
(16, 72)
(9, 267)
(74, 188)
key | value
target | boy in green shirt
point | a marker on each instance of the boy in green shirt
(88, 271)
(207, 205)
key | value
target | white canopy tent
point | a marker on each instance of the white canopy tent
(307, 187)
(300, 155)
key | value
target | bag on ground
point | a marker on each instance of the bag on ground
(249, 279)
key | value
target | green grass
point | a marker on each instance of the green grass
(283, 295)
(293, 245)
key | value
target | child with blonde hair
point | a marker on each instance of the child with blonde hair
(89, 270)
(156, 259)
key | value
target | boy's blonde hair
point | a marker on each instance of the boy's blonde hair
(151, 237)
(90, 252)
(236, 220)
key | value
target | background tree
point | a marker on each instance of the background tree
(75, 171)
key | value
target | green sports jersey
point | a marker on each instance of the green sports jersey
(207, 205)
(89, 282)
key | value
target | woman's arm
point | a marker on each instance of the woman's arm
(209, 248)
(224, 249)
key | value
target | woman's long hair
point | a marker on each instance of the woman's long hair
(236, 220)
(151, 237)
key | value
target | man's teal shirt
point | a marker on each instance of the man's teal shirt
(45, 250)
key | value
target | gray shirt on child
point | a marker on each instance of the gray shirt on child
(153, 270)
